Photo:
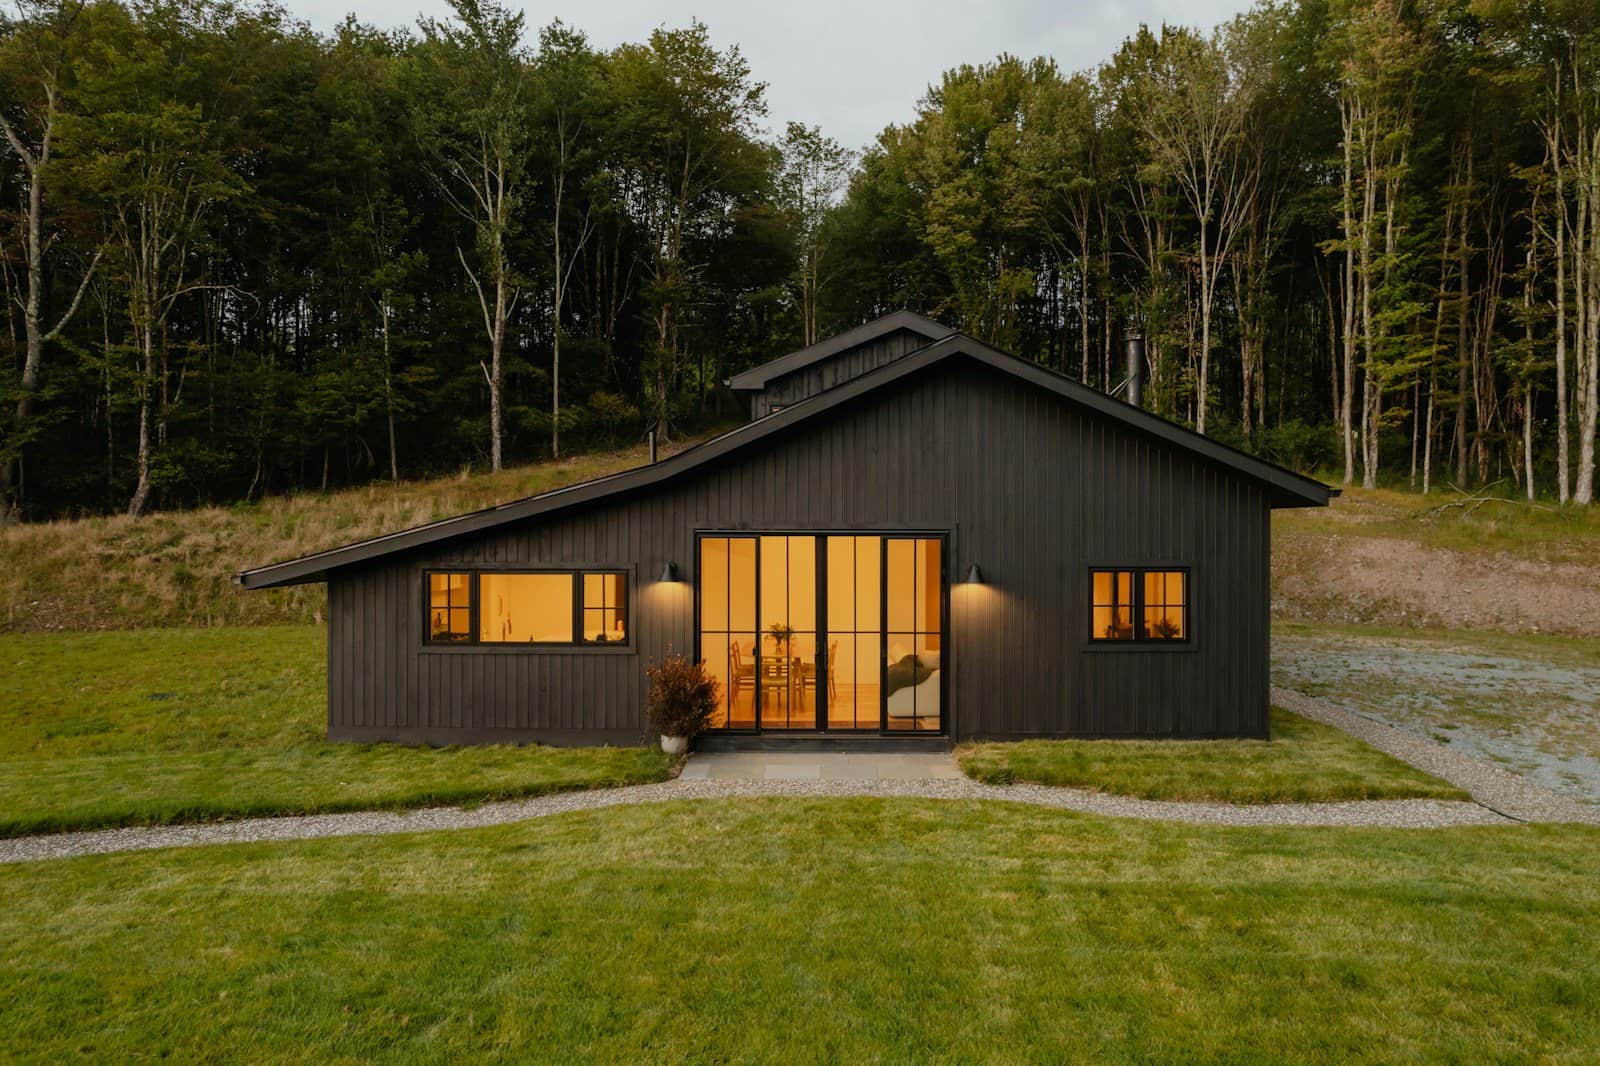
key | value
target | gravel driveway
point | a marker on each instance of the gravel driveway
(1528, 706)
(1497, 789)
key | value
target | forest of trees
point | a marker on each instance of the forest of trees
(240, 257)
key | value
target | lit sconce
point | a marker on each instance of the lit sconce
(974, 576)
(670, 572)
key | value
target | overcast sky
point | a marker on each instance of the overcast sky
(852, 66)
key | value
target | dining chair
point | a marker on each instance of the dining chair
(739, 672)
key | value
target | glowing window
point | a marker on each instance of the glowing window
(450, 608)
(605, 608)
(545, 607)
(1113, 605)
(1164, 606)
(525, 608)
(1139, 605)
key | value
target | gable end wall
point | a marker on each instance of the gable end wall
(1031, 487)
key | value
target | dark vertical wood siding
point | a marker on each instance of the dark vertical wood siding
(835, 370)
(1031, 487)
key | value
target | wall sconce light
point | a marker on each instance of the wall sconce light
(670, 572)
(974, 576)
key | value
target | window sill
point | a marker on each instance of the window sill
(1124, 647)
(528, 649)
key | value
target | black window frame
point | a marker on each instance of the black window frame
(428, 607)
(475, 639)
(622, 610)
(945, 538)
(1136, 614)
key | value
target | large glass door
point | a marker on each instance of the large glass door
(832, 632)
(913, 640)
(786, 656)
(728, 642)
(854, 654)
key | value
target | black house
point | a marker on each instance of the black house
(917, 538)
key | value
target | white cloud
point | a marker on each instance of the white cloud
(851, 66)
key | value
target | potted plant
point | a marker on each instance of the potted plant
(781, 636)
(681, 701)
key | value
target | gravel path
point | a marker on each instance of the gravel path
(1409, 814)
(1501, 798)
(1500, 790)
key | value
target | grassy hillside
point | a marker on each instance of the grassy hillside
(176, 568)
(1453, 521)
(1373, 558)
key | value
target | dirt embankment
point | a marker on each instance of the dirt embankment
(1394, 582)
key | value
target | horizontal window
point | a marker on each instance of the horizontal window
(1141, 605)
(546, 607)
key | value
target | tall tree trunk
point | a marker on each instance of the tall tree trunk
(34, 160)
(496, 372)
(1083, 303)
(1204, 381)
(1555, 151)
(1416, 428)
(555, 332)
(388, 389)
(1348, 384)
(1105, 299)
(1463, 354)
(141, 491)
(1589, 356)
(1527, 439)
(1369, 473)
(1427, 441)
(105, 354)
(33, 352)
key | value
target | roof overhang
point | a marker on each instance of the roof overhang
(1285, 488)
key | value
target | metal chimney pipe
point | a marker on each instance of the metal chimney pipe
(1135, 349)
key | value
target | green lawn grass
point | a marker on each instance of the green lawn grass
(150, 726)
(1304, 762)
(780, 930)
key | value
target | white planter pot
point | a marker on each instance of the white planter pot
(674, 745)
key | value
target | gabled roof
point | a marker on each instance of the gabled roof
(757, 377)
(1285, 488)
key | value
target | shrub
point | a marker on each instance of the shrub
(683, 696)
(1301, 446)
